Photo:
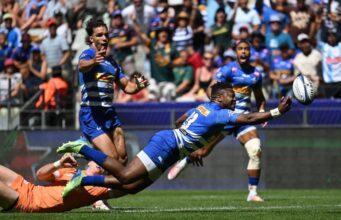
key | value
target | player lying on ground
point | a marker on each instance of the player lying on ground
(17, 194)
(200, 125)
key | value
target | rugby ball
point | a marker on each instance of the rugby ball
(303, 89)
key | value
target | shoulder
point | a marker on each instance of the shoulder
(88, 52)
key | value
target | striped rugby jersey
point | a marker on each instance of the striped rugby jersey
(97, 84)
(242, 83)
(202, 125)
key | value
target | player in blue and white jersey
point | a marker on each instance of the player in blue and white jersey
(198, 127)
(244, 79)
(97, 75)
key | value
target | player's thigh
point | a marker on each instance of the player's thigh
(119, 141)
(105, 144)
(7, 176)
(248, 136)
(135, 170)
(8, 196)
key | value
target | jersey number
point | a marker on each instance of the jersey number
(190, 120)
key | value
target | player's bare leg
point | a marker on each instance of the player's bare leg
(8, 196)
(251, 142)
(120, 144)
(114, 147)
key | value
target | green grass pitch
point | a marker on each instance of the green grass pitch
(204, 204)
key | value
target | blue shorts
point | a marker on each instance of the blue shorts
(160, 153)
(95, 121)
(237, 131)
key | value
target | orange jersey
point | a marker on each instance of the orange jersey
(33, 198)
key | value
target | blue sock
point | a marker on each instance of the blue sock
(188, 160)
(93, 154)
(93, 180)
(253, 181)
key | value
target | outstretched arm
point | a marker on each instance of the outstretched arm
(260, 117)
(45, 173)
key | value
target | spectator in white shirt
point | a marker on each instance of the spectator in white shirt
(309, 61)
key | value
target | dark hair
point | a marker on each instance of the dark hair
(218, 88)
(236, 43)
(91, 25)
(219, 10)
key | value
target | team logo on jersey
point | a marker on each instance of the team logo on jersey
(234, 69)
(104, 77)
(242, 89)
(203, 110)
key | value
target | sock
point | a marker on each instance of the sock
(253, 181)
(93, 154)
(93, 180)
(188, 160)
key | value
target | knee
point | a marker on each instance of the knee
(254, 151)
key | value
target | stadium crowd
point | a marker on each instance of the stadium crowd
(179, 45)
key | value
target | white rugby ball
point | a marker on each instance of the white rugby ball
(303, 89)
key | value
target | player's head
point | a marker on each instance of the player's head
(243, 53)
(97, 32)
(94, 169)
(223, 94)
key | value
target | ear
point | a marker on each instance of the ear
(91, 39)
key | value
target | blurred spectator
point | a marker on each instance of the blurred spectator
(76, 13)
(13, 33)
(221, 30)
(194, 58)
(308, 61)
(326, 20)
(276, 8)
(331, 64)
(54, 91)
(228, 56)
(11, 7)
(63, 29)
(183, 75)
(55, 6)
(34, 74)
(282, 73)
(5, 50)
(121, 40)
(10, 83)
(54, 48)
(141, 11)
(302, 20)
(203, 78)
(261, 59)
(245, 16)
(244, 33)
(22, 53)
(196, 22)
(277, 37)
(183, 34)
(32, 17)
(162, 19)
(212, 7)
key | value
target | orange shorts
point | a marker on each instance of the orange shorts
(25, 190)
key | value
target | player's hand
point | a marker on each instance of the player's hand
(68, 160)
(196, 159)
(140, 80)
(100, 55)
(284, 104)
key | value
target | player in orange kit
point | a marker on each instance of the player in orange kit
(18, 194)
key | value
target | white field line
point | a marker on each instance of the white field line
(223, 208)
